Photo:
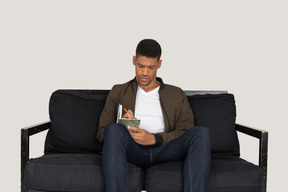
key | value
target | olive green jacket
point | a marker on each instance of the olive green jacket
(177, 113)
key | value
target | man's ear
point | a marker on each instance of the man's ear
(159, 63)
(134, 60)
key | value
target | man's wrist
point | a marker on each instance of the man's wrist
(158, 140)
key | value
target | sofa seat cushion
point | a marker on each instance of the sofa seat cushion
(73, 172)
(228, 174)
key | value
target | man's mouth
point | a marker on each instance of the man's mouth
(144, 79)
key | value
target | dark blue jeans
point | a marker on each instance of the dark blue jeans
(119, 147)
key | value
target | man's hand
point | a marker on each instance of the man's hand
(129, 115)
(142, 136)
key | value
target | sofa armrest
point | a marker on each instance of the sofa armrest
(263, 148)
(25, 138)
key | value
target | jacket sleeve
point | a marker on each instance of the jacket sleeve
(183, 120)
(108, 115)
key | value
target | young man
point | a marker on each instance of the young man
(166, 131)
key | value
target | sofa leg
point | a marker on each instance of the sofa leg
(263, 157)
(24, 155)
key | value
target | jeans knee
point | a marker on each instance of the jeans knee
(114, 130)
(202, 133)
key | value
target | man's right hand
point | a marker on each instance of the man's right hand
(129, 115)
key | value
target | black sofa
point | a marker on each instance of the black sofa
(72, 154)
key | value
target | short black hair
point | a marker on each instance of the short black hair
(149, 48)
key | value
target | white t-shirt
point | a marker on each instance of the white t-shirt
(148, 110)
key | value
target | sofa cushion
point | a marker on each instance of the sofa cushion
(218, 113)
(73, 172)
(74, 119)
(228, 174)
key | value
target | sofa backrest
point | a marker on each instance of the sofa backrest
(74, 116)
(218, 113)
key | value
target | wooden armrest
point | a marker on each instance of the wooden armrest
(25, 134)
(263, 148)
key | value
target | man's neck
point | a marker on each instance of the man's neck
(150, 87)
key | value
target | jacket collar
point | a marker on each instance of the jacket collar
(162, 85)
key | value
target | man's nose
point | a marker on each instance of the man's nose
(145, 71)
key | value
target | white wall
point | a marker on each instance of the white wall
(239, 46)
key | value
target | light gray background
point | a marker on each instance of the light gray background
(239, 46)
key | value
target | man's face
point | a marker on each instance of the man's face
(146, 71)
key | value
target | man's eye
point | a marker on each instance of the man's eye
(151, 67)
(140, 66)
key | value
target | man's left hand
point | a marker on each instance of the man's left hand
(142, 136)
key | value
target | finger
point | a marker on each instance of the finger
(131, 113)
(128, 116)
(136, 137)
(133, 129)
(136, 129)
